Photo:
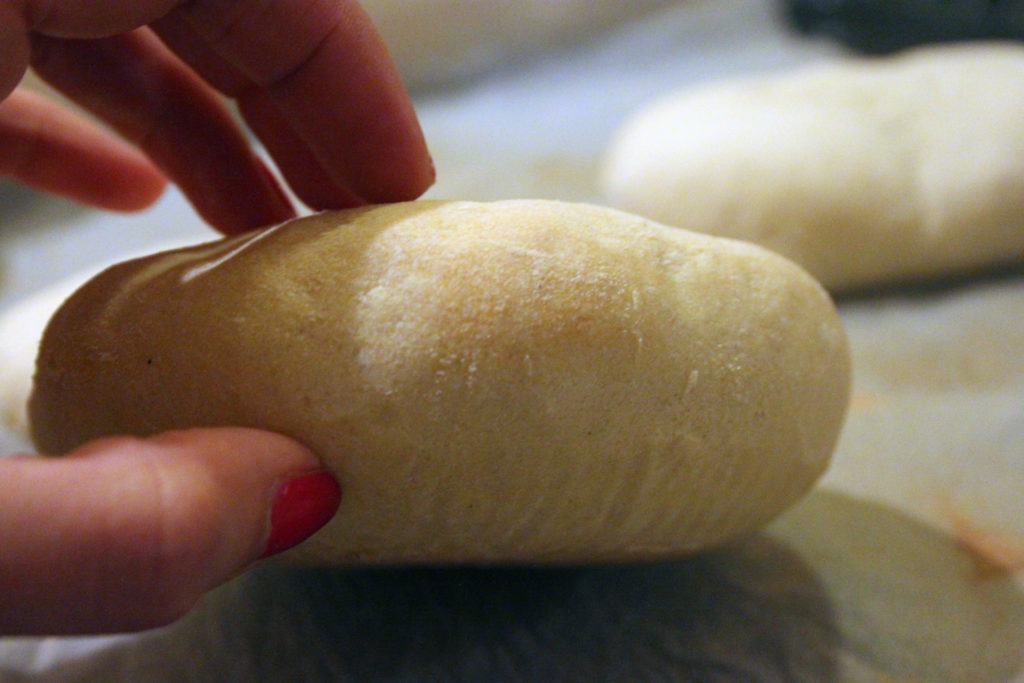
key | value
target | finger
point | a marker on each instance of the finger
(127, 534)
(133, 82)
(328, 74)
(89, 18)
(305, 175)
(65, 19)
(14, 47)
(45, 146)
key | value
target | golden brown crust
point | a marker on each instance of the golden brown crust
(518, 381)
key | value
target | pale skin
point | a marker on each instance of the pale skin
(314, 83)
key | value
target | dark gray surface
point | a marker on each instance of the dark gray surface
(838, 589)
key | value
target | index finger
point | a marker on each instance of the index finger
(329, 74)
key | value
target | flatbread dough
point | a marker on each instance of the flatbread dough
(518, 381)
(866, 171)
(435, 42)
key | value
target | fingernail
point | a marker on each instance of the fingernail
(302, 505)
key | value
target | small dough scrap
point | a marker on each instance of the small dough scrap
(867, 172)
(519, 382)
(437, 42)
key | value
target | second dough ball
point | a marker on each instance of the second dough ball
(865, 172)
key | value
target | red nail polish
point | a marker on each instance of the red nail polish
(301, 507)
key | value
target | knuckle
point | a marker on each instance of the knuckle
(160, 541)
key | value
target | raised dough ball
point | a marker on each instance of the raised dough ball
(865, 171)
(519, 381)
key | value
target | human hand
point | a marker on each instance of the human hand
(125, 534)
(311, 78)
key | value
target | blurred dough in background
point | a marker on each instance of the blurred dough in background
(437, 42)
(866, 171)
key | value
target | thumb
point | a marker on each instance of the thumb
(126, 534)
